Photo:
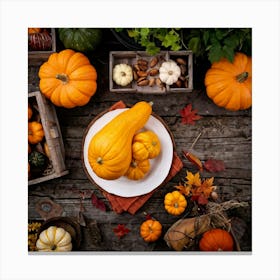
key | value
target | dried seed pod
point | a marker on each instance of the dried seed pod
(153, 61)
(181, 61)
(143, 83)
(182, 78)
(142, 62)
(183, 69)
(152, 81)
(153, 72)
(143, 67)
(179, 83)
(136, 67)
(135, 76)
(142, 73)
(159, 83)
(141, 79)
(186, 83)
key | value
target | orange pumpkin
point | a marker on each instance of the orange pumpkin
(216, 240)
(229, 85)
(68, 79)
(30, 112)
(150, 230)
(150, 142)
(138, 169)
(35, 132)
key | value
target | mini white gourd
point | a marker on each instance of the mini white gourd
(122, 74)
(169, 72)
(54, 239)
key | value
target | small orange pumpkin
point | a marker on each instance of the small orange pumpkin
(68, 79)
(150, 230)
(35, 132)
(150, 141)
(175, 203)
(228, 84)
(138, 169)
(216, 240)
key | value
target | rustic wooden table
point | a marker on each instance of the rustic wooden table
(226, 136)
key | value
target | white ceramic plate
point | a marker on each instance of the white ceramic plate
(160, 166)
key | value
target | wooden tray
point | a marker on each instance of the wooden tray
(53, 137)
(131, 58)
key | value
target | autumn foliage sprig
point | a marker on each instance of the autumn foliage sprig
(196, 188)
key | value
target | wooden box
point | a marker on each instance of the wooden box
(132, 57)
(52, 136)
(38, 57)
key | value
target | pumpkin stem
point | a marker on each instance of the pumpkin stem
(170, 72)
(99, 160)
(62, 77)
(242, 77)
(133, 164)
(123, 73)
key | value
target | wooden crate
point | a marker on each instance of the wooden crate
(131, 58)
(38, 57)
(53, 138)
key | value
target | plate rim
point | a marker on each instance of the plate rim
(83, 146)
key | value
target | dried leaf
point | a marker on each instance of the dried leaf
(193, 159)
(193, 179)
(214, 165)
(120, 230)
(188, 115)
(99, 204)
(185, 190)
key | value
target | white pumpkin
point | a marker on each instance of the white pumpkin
(54, 239)
(122, 74)
(169, 72)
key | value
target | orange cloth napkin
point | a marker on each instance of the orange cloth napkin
(131, 204)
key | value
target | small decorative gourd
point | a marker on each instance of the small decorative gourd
(37, 159)
(151, 143)
(138, 169)
(109, 151)
(122, 74)
(54, 239)
(229, 85)
(169, 72)
(150, 230)
(216, 240)
(175, 203)
(68, 79)
(39, 41)
(35, 132)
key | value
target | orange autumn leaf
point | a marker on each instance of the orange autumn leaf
(185, 190)
(193, 179)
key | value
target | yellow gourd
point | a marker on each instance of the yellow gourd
(110, 151)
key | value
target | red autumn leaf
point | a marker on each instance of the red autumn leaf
(202, 200)
(99, 204)
(214, 165)
(120, 230)
(188, 115)
(148, 217)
